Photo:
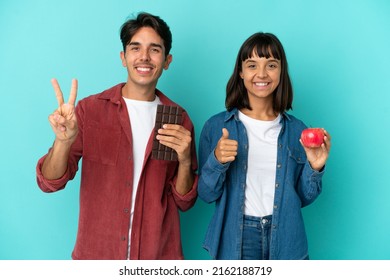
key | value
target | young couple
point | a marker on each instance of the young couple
(252, 164)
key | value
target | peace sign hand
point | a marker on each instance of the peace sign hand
(63, 120)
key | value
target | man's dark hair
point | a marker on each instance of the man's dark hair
(130, 27)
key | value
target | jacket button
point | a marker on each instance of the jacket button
(276, 185)
(279, 165)
(123, 238)
(126, 210)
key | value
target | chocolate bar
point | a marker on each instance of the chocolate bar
(165, 115)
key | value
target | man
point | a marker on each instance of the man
(129, 201)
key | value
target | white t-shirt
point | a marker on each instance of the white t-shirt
(261, 170)
(142, 116)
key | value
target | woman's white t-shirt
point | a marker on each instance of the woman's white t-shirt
(261, 169)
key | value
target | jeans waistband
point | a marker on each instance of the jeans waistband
(261, 220)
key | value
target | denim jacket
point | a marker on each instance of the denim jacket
(296, 185)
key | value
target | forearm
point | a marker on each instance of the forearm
(185, 179)
(212, 178)
(56, 162)
(309, 185)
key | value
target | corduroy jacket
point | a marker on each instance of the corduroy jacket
(104, 143)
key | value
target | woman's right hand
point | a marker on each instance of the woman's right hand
(226, 149)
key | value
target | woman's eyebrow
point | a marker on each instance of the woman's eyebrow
(254, 61)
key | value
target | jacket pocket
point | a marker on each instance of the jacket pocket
(101, 144)
(297, 155)
(295, 163)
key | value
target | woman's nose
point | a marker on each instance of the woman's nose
(262, 72)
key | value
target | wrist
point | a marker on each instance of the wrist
(317, 167)
(185, 163)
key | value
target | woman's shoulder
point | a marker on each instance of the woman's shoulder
(214, 123)
(292, 120)
(218, 116)
(218, 119)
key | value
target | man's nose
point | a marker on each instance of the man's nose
(145, 56)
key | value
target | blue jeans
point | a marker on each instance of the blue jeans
(256, 237)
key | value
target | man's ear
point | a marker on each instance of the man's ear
(168, 61)
(123, 58)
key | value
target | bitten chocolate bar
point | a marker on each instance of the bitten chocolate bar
(165, 115)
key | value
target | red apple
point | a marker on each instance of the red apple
(312, 137)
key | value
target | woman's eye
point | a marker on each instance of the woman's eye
(273, 65)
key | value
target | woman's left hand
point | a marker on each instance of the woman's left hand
(317, 157)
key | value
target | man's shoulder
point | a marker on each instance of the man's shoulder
(165, 99)
(112, 93)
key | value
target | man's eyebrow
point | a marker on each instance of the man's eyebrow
(156, 45)
(151, 45)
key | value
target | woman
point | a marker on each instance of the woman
(253, 165)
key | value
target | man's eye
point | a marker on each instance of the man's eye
(155, 50)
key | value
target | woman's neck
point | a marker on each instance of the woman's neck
(261, 112)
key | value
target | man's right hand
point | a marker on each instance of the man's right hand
(226, 149)
(63, 120)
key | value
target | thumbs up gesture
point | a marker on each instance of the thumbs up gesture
(226, 149)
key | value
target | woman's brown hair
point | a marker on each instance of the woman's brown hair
(263, 45)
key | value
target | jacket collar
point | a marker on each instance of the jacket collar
(234, 114)
(114, 94)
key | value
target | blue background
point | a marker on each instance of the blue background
(338, 53)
